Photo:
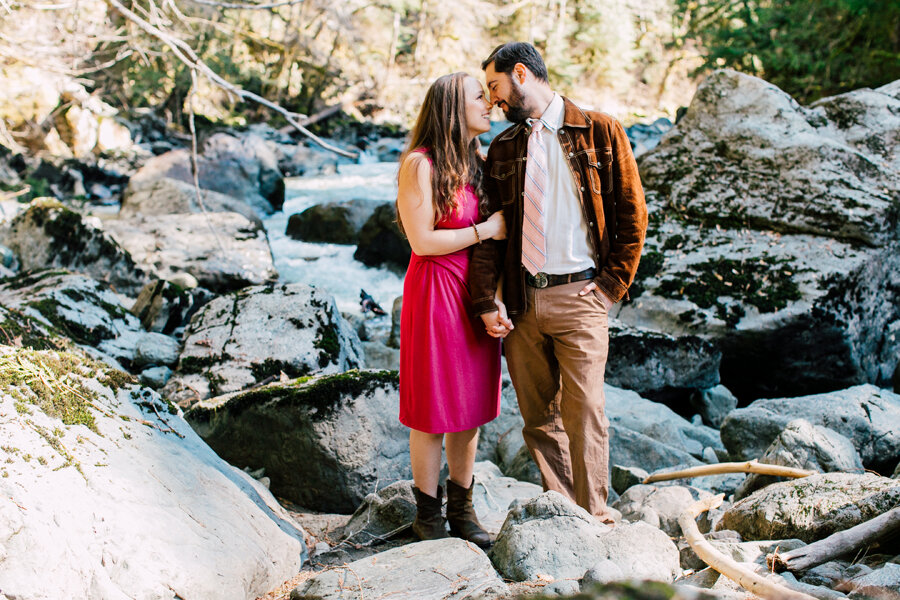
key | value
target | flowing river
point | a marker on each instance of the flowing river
(331, 267)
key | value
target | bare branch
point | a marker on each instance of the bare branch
(725, 565)
(751, 466)
(186, 54)
(838, 544)
(243, 6)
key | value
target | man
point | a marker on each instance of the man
(569, 189)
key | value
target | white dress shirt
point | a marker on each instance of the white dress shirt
(565, 232)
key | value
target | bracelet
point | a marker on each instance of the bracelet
(477, 237)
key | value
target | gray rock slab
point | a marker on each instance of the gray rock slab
(867, 415)
(652, 362)
(666, 502)
(217, 173)
(882, 583)
(136, 507)
(387, 511)
(714, 404)
(48, 235)
(550, 536)
(251, 336)
(430, 570)
(622, 478)
(813, 507)
(225, 251)
(325, 442)
(805, 446)
(493, 494)
(163, 196)
(773, 234)
(77, 307)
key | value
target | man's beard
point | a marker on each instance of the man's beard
(516, 110)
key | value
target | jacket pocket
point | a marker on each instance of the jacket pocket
(600, 169)
(505, 173)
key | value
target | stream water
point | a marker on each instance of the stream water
(331, 267)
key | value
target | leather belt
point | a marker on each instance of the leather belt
(543, 280)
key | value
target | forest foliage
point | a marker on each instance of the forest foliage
(634, 58)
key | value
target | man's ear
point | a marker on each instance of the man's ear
(520, 71)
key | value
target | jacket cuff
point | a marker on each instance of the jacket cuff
(610, 286)
(483, 306)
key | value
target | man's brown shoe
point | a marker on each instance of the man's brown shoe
(461, 515)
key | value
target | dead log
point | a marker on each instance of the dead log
(751, 466)
(837, 544)
(725, 565)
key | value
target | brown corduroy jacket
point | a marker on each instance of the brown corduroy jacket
(612, 202)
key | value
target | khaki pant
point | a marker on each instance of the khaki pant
(557, 357)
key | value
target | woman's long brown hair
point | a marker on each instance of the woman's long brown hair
(441, 130)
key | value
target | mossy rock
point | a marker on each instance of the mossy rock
(325, 442)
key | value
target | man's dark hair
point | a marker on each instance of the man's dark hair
(505, 57)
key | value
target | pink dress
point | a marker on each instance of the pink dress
(449, 365)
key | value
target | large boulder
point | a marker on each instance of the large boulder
(659, 506)
(773, 233)
(331, 222)
(256, 158)
(813, 507)
(626, 409)
(865, 414)
(550, 536)
(225, 251)
(254, 335)
(660, 366)
(380, 241)
(431, 570)
(74, 307)
(165, 196)
(392, 509)
(107, 493)
(493, 494)
(642, 434)
(244, 168)
(325, 442)
(805, 446)
(50, 236)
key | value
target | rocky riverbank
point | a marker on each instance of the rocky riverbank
(178, 421)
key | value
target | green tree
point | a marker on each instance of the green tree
(809, 48)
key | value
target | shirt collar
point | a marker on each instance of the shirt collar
(553, 114)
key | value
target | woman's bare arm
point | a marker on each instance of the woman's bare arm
(417, 214)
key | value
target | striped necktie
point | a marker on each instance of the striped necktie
(534, 247)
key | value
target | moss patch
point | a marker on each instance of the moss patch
(273, 368)
(651, 263)
(18, 329)
(92, 336)
(44, 378)
(766, 285)
(320, 396)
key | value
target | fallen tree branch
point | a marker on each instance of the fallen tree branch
(728, 567)
(750, 466)
(837, 544)
(186, 55)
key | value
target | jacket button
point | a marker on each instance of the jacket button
(591, 224)
(571, 154)
(582, 188)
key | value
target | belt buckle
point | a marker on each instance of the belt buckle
(541, 280)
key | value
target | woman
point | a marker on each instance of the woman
(449, 366)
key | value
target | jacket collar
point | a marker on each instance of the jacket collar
(572, 117)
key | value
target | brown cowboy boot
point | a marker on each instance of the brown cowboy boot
(429, 523)
(461, 515)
